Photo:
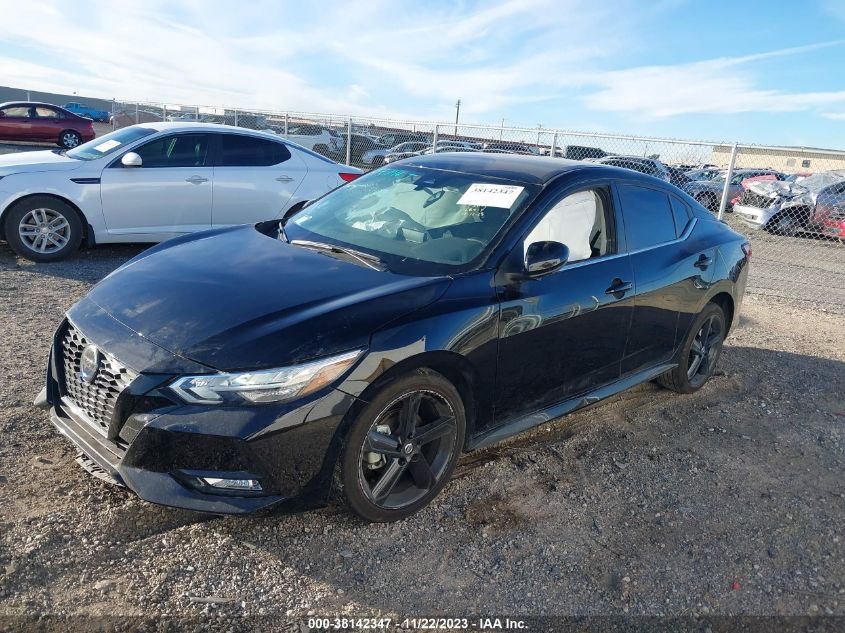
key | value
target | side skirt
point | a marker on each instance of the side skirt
(518, 425)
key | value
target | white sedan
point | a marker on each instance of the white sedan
(150, 182)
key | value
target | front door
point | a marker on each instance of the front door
(563, 334)
(15, 123)
(168, 195)
(254, 179)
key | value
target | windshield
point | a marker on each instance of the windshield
(416, 220)
(112, 142)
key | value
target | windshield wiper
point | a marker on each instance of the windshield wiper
(371, 261)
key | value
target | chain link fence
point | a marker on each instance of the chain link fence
(789, 201)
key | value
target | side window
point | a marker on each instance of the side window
(17, 111)
(182, 150)
(46, 113)
(648, 217)
(248, 151)
(581, 220)
(682, 215)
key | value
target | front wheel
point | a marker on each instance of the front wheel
(700, 352)
(402, 448)
(43, 229)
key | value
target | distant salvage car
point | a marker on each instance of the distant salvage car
(708, 193)
(814, 204)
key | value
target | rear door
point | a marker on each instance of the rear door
(254, 179)
(671, 272)
(47, 123)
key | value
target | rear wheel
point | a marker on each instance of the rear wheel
(43, 229)
(69, 139)
(700, 353)
(402, 448)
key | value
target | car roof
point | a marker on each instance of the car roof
(518, 167)
(199, 126)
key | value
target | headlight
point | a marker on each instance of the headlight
(266, 385)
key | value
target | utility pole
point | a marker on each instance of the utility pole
(457, 114)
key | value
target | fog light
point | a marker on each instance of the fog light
(251, 485)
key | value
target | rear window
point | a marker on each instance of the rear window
(649, 219)
(681, 212)
(248, 151)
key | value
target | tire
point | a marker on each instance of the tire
(24, 223)
(785, 223)
(691, 374)
(374, 476)
(69, 139)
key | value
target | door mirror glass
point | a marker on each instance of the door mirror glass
(131, 159)
(545, 257)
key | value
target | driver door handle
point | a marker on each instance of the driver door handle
(196, 180)
(619, 287)
(284, 178)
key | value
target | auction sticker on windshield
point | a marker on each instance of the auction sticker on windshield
(107, 145)
(490, 195)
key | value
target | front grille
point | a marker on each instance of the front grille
(96, 399)
(751, 199)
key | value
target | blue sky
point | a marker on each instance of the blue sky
(764, 72)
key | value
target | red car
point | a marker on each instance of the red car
(28, 121)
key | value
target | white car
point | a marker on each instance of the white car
(316, 138)
(150, 182)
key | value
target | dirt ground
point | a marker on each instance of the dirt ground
(730, 501)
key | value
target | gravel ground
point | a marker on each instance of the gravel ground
(727, 502)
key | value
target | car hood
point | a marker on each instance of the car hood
(238, 299)
(44, 160)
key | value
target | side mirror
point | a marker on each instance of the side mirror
(131, 159)
(545, 257)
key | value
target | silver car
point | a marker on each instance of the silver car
(709, 192)
(153, 181)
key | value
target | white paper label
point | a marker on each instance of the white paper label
(107, 145)
(490, 195)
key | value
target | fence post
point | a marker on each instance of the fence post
(164, 112)
(553, 148)
(137, 114)
(286, 124)
(236, 117)
(196, 113)
(113, 122)
(724, 202)
(349, 141)
(434, 139)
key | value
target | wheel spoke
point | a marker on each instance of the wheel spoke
(697, 348)
(421, 473)
(694, 365)
(382, 444)
(385, 485)
(408, 414)
(57, 224)
(435, 430)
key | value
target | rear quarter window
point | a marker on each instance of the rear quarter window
(649, 219)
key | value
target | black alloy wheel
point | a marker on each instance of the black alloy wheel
(402, 448)
(700, 352)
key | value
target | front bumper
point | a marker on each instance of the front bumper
(159, 445)
(752, 216)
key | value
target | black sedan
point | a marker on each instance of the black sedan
(355, 349)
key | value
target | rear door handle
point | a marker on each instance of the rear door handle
(703, 262)
(196, 180)
(619, 287)
(284, 178)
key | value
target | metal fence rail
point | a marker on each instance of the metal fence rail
(789, 201)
